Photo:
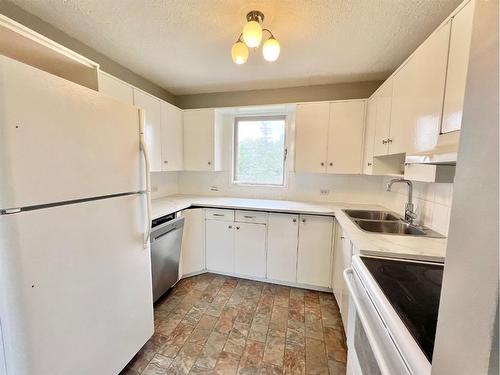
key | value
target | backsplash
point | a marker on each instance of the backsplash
(432, 201)
(301, 187)
(164, 183)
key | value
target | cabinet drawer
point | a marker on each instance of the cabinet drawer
(251, 217)
(218, 214)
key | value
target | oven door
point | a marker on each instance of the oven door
(371, 349)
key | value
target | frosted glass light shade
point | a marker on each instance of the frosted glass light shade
(271, 50)
(252, 34)
(239, 53)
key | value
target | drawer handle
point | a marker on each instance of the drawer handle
(220, 215)
(249, 217)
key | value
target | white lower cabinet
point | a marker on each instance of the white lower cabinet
(193, 242)
(315, 250)
(286, 248)
(219, 246)
(250, 249)
(282, 242)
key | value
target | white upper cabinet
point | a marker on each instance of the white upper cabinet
(116, 88)
(311, 137)
(345, 137)
(315, 250)
(371, 113)
(329, 137)
(201, 140)
(418, 92)
(383, 102)
(171, 137)
(458, 60)
(152, 107)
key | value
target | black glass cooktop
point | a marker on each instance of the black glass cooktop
(413, 289)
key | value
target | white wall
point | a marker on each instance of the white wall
(467, 330)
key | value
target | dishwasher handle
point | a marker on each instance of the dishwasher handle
(166, 228)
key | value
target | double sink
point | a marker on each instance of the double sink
(386, 222)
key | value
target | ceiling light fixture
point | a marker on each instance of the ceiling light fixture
(252, 37)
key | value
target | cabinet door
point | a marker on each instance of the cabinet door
(338, 265)
(250, 249)
(311, 137)
(314, 250)
(417, 102)
(199, 139)
(371, 113)
(282, 241)
(219, 246)
(383, 100)
(458, 61)
(172, 137)
(116, 88)
(347, 259)
(345, 137)
(152, 107)
(193, 241)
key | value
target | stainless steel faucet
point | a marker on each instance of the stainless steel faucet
(409, 214)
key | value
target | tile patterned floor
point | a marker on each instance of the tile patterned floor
(213, 324)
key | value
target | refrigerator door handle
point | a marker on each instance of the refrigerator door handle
(144, 149)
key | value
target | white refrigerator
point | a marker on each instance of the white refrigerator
(75, 266)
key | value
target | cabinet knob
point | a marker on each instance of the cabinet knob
(209, 163)
(384, 141)
(303, 220)
(322, 164)
(342, 237)
(230, 226)
(237, 227)
(330, 164)
(389, 140)
(166, 161)
(369, 164)
(294, 220)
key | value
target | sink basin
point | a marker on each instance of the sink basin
(389, 227)
(371, 215)
(396, 227)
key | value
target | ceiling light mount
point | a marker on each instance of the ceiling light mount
(255, 15)
(251, 37)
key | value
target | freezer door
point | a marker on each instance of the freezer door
(60, 141)
(75, 294)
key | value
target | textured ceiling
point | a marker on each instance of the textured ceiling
(184, 45)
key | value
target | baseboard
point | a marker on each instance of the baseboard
(264, 280)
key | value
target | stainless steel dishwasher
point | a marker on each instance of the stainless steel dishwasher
(166, 240)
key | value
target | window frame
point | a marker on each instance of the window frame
(234, 158)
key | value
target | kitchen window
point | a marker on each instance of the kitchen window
(259, 150)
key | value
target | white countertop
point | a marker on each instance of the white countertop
(409, 247)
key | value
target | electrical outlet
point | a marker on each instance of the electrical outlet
(324, 191)
(214, 188)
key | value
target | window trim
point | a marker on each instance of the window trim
(234, 158)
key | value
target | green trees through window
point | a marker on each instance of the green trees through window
(259, 154)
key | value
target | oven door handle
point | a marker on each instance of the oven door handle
(384, 367)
